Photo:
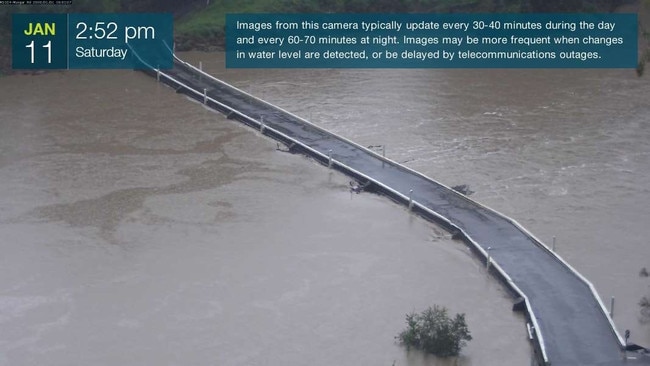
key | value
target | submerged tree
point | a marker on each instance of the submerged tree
(434, 331)
(644, 303)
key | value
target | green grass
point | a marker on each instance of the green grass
(210, 21)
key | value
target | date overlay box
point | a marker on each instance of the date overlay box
(39, 41)
(92, 41)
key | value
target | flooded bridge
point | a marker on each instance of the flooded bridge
(567, 321)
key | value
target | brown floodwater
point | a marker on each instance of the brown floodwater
(137, 227)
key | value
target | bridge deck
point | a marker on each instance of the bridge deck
(574, 328)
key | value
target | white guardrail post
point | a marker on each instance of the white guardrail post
(489, 258)
(553, 248)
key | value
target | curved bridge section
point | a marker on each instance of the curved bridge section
(567, 321)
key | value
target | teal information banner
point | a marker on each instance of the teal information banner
(92, 41)
(431, 40)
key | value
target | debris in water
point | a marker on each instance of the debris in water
(463, 188)
(285, 148)
(357, 187)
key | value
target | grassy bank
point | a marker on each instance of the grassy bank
(203, 29)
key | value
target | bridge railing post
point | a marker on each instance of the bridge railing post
(329, 158)
(488, 262)
(205, 96)
(410, 199)
(553, 248)
(262, 124)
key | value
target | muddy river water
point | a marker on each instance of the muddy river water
(139, 228)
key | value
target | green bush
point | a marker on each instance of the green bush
(434, 331)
